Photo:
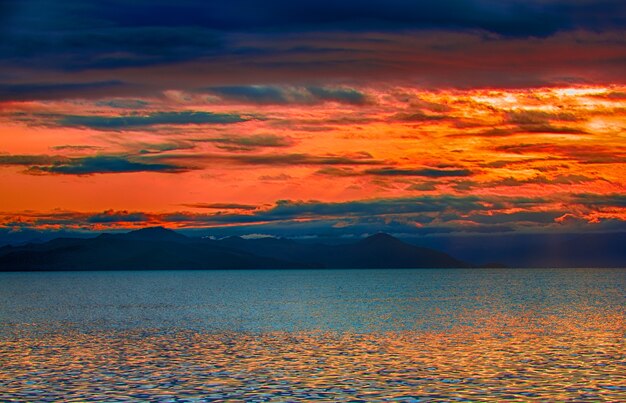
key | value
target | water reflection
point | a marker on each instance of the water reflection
(505, 359)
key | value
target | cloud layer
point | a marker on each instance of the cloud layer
(348, 117)
(245, 50)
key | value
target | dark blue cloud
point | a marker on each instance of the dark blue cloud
(111, 216)
(310, 43)
(445, 213)
(108, 47)
(253, 93)
(523, 217)
(345, 95)
(123, 103)
(434, 213)
(101, 164)
(53, 164)
(33, 91)
(155, 118)
(265, 94)
(114, 33)
(513, 17)
(597, 200)
(442, 214)
(289, 209)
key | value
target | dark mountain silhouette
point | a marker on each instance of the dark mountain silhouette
(376, 251)
(143, 249)
(159, 234)
(160, 248)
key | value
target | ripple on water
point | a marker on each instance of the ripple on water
(511, 361)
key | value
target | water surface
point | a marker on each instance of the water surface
(290, 300)
(323, 335)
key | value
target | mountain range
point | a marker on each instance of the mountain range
(158, 248)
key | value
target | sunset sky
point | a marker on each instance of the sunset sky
(311, 118)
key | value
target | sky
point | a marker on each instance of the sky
(313, 118)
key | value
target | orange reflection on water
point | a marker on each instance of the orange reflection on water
(514, 359)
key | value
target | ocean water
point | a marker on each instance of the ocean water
(314, 335)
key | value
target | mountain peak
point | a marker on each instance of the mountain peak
(154, 234)
(155, 229)
(380, 238)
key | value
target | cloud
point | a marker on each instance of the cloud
(422, 209)
(31, 159)
(425, 172)
(279, 177)
(221, 206)
(408, 215)
(518, 219)
(300, 159)
(564, 179)
(612, 95)
(257, 66)
(257, 236)
(550, 129)
(417, 116)
(157, 148)
(423, 187)
(515, 162)
(247, 143)
(391, 171)
(114, 49)
(265, 94)
(98, 164)
(71, 147)
(526, 128)
(151, 158)
(516, 17)
(253, 93)
(95, 43)
(151, 119)
(583, 154)
(123, 103)
(345, 95)
(569, 179)
(285, 209)
(112, 216)
(592, 200)
(529, 117)
(340, 172)
(50, 91)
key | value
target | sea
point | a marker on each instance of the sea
(384, 335)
